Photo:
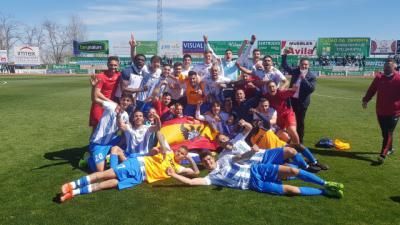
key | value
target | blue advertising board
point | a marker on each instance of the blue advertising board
(192, 47)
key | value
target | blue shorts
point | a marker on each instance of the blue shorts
(128, 173)
(264, 178)
(273, 156)
(98, 152)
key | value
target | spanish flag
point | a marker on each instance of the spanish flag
(190, 132)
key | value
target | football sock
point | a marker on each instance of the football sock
(299, 161)
(83, 181)
(83, 190)
(113, 160)
(310, 177)
(308, 191)
(308, 155)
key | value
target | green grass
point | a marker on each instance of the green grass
(43, 132)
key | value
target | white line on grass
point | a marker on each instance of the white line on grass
(337, 97)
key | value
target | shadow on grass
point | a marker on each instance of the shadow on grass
(364, 156)
(217, 188)
(395, 198)
(66, 156)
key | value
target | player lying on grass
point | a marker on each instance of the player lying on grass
(265, 138)
(233, 171)
(238, 145)
(132, 172)
(105, 135)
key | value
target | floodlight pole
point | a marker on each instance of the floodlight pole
(159, 21)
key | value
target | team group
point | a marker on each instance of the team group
(257, 113)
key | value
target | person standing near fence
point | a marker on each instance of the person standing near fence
(387, 86)
(306, 80)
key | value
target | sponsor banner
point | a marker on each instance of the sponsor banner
(26, 55)
(170, 48)
(98, 47)
(30, 71)
(398, 47)
(63, 66)
(3, 56)
(300, 47)
(269, 47)
(383, 47)
(148, 48)
(343, 46)
(220, 47)
(93, 67)
(120, 49)
(189, 47)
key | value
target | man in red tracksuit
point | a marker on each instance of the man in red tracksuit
(387, 87)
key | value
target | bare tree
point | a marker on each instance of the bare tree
(9, 32)
(57, 41)
(33, 36)
(76, 29)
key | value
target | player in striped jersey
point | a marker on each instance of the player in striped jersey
(132, 172)
(105, 135)
(231, 171)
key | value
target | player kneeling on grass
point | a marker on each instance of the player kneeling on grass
(132, 172)
(232, 171)
(106, 133)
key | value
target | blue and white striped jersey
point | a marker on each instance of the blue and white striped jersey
(137, 139)
(107, 127)
(229, 174)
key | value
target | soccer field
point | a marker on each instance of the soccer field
(44, 131)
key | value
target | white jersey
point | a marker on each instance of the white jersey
(176, 93)
(186, 71)
(203, 70)
(107, 127)
(216, 125)
(239, 146)
(229, 174)
(212, 87)
(137, 139)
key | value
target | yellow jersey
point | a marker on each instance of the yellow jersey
(267, 140)
(155, 166)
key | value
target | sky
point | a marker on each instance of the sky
(114, 20)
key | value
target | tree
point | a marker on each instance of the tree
(33, 36)
(56, 41)
(59, 39)
(76, 29)
(9, 32)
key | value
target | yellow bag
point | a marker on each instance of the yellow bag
(341, 146)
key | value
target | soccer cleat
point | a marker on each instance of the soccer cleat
(66, 197)
(83, 163)
(321, 165)
(312, 169)
(380, 160)
(66, 188)
(390, 152)
(334, 193)
(334, 186)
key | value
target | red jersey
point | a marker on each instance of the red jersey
(107, 84)
(248, 90)
(388, 94)
(279, 101)
(160, 107)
